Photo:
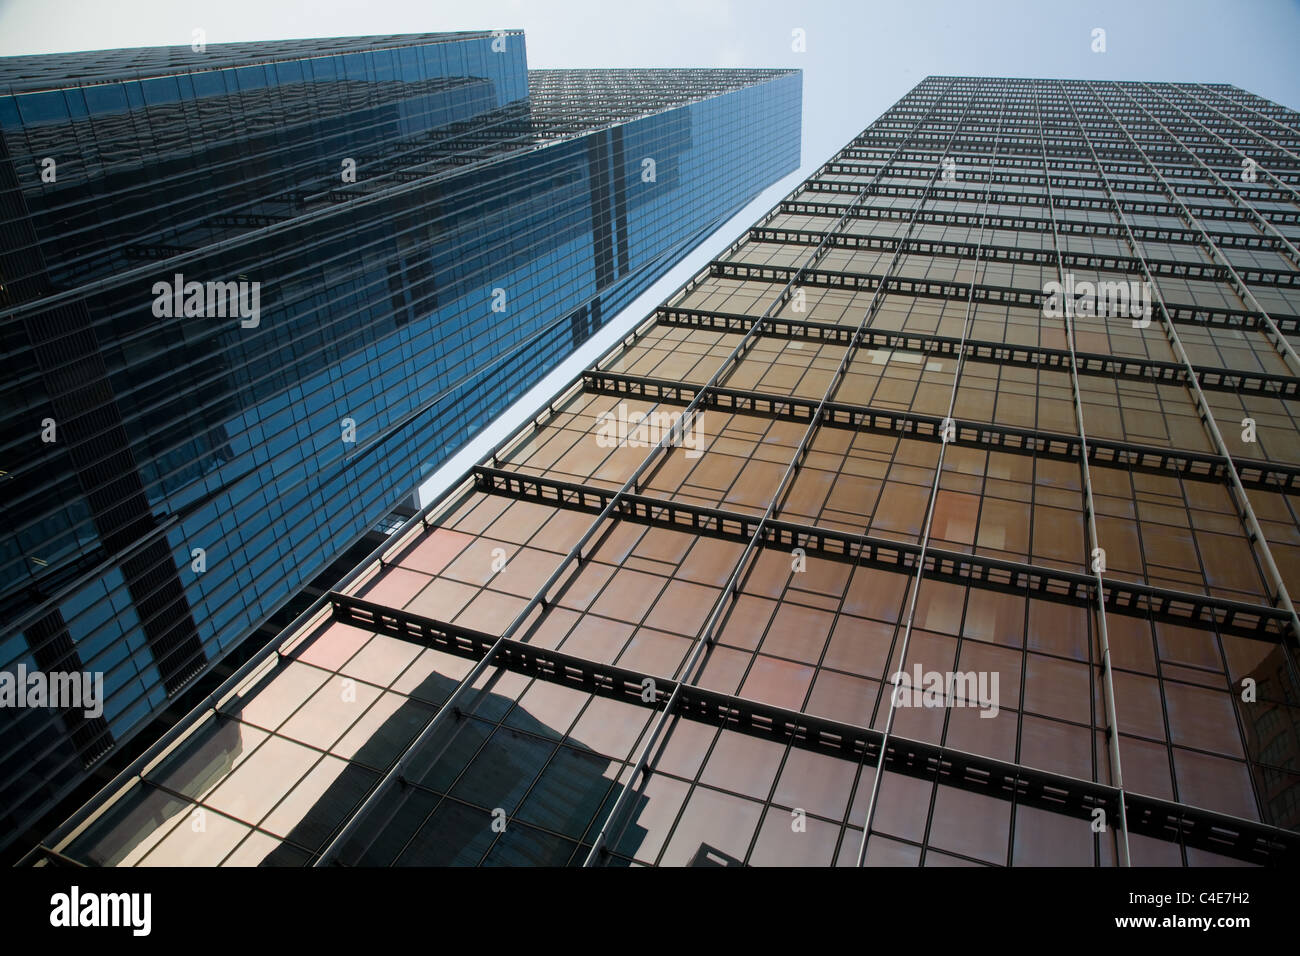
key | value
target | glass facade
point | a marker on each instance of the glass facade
(252, 294)
(893, 538)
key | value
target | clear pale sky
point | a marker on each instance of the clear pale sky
(860, 58)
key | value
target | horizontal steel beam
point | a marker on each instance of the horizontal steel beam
(1034, 581)
(1117, 162)
(998, 353)
(1029, 200)
(948, 249)
(980, 292)
(1024, 223)
(845, 164)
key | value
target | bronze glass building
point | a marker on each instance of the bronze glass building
(949, 518)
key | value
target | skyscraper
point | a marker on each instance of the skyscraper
(252, 293)
(947, 519)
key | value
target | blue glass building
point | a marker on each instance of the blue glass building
(251, 294)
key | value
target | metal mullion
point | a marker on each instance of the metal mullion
(1160, 664)
(706, 636)
(915, 585)
(1245, 510)
(947, 718)
(1102, 637)
(844, 821)
(960, 636)
(768, 631)
(559, 745)
(539, 599)
(1158, 661)
(1279, 340)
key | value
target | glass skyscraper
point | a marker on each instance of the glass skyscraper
(948, 518)
(252, 293)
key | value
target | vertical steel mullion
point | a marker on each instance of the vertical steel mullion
(929, 515)
(1103, 636)
(1245, 511)
(705, 638)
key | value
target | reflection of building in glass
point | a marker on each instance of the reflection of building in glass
(1272, 729)
(392, 238)
(906, 465)
(156, 824)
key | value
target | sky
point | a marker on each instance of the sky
(860, 57)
